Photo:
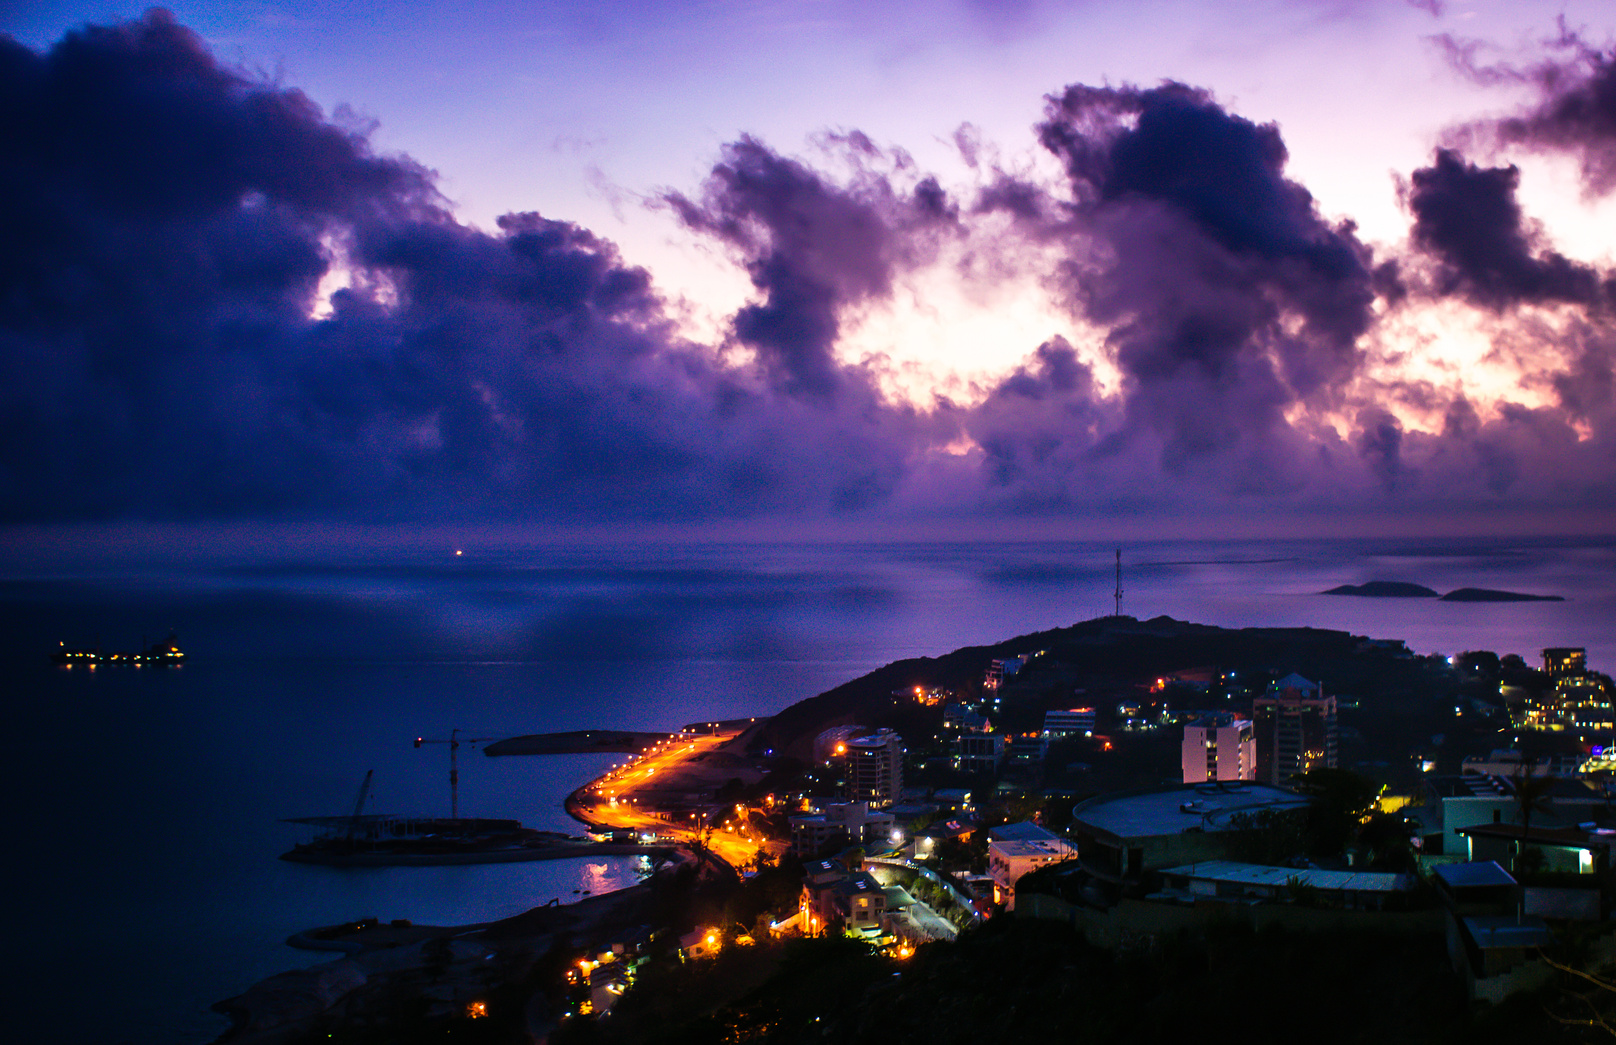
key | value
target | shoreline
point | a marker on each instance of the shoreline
(493, 856)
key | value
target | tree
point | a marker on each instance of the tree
(1531, 793)
(1341, 800)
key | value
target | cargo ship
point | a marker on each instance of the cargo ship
(165, 654)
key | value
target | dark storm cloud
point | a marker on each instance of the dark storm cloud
(1039, 426)
(1468, 217)
(167, 225)
(1576, 113)
(1226, 296)
(216, 302)
(813, 248)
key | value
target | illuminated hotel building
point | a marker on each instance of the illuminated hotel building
(1580, 702)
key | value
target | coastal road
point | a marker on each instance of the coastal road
(633, 796)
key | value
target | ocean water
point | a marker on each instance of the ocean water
(146, 805)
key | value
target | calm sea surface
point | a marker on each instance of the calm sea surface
(146, 805)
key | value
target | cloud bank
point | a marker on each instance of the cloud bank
(216, 302)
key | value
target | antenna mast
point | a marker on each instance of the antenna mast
(1118, 592)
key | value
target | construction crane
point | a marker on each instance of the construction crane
(454, 742)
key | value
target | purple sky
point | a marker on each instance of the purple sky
(1193, 268)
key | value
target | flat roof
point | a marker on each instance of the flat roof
(1265, 875)
(1505, 930)
(1034, 847)
(1564, 837)
(1473, 874)
(1174, 810)
(897, 896)
(1025, 831)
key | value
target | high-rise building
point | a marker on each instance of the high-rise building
(875, 768)
(1219, 746)
(1295, 729)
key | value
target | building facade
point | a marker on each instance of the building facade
(850, 823)
(1219, 747)
(1009, 859)
(1069, 722)
(875, 768)
(979, 752)
(1295, 728)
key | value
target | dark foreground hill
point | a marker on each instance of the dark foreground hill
(1016, 980)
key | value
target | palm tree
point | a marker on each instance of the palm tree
(1531, 794)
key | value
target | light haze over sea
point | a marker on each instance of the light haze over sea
(146, 804)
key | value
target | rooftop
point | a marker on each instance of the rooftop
(1506, 930)
(1034, 847)
(1472, 875)
(1173, 810)
(1264, 875)
(1025, 831)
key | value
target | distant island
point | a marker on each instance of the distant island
(1384, 590)
(1490, 595)
(1406, 590)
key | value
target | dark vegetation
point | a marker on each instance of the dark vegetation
(1018, 980)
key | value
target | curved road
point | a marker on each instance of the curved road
(618, 800)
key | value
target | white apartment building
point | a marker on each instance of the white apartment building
(1219, 747)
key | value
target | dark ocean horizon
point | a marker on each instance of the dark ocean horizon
(147, 803)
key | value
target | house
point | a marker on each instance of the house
(860, 902)
(979, 752)
(1021, 831)
(1452, 804)
(1492, 943)
(1506, 763)
(832, 895)
(1009, 859)
(1573, 850)
(1069, 722)
(851, 823)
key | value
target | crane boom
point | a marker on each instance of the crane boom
(359, 804)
